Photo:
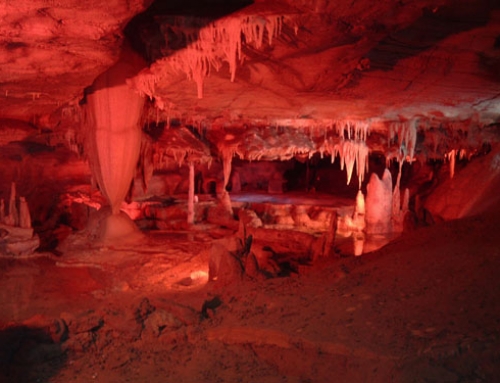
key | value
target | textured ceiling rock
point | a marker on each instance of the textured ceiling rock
(352, 60)
(51, 50)
(389, 60)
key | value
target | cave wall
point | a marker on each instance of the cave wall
(472, 190)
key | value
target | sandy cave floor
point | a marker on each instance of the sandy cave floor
(425, 308)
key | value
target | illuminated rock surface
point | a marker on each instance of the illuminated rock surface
(234, 168)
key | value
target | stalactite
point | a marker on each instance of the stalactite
(462, 154)
(452, 155)
(354, 130)
(350, 153)
(217, 42)
(406, 132)
(351, 148)
(349, 157)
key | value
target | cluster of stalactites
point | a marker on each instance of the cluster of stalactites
(18, 215)
(352, 130)
(406, 134)
(451, 156)
(162, 157)
(350, 153)
(353, 148)
(215, 43)
(350, 146)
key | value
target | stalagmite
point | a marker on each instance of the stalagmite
(379, 204)
(190, 217)
(24, 213)
(12, 218)
(18, 237)
(358, 219)
(360, 203)
(359, 243)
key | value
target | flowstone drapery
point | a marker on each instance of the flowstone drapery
(114, 113)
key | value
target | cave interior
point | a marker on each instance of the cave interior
(174, 172)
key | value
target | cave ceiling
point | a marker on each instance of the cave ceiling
(313, 62)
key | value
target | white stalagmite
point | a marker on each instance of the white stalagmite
(358, 219)
(379, 204)
(359, 243)
(360, 203)
(190, 217)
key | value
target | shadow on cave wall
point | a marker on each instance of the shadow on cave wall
(153, 41)
(433, 26)
(29, 355)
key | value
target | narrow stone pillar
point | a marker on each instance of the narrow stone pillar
(190, 215)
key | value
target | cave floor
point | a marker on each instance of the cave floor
(425, 307)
